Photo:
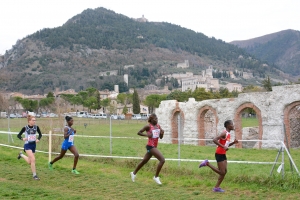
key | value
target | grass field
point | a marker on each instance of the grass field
(249, 122)
(105, 178)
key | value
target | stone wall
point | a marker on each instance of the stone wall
(272, 110)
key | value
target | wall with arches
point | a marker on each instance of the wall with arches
(272, 110)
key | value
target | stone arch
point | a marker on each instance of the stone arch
(201, 123)
(174, 123)
(238, 123)
(287, 112)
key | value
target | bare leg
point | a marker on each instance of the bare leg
(156, 153)
(25, 158)
(60, 156)
(221, 170)
(30, 160)
(76, 155)
(143, 162)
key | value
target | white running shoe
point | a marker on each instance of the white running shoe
(132, 176)
(157, 180)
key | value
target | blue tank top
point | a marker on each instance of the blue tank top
(70, 138)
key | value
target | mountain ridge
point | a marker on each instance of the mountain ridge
(97, 40)
(281, 48)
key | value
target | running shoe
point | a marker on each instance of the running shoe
(36, 178)
(157, 180)
(74, 171)
(218, 190)
(132, 176)
(50, 166)
(20, 155)
(203, 163)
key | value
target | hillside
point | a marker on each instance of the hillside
(281, 48)
(99, 40)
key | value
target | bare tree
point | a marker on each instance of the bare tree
(3, 103)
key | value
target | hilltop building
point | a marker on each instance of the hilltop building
(185, 64)
(142, 19)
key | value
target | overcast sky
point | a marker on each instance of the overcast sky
(227, 20)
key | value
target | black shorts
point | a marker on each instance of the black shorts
(220, 157)
(149, 148)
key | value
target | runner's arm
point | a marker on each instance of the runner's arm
(145, 128)
(20, 134)
(66, 134)
(39, 132)
(161, 135)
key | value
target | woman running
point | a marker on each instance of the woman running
(153, 132)
(223, 142)
(68, 143)
(30, 143)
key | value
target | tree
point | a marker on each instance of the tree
(267, 84)
(136, 103)
(153, 101)
(28, 104)
(200, 94)
(125, 110)
(46, 102)
(105, 103)
(50, 94)
(3, 103)
(124, 98)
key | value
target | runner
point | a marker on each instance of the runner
(30, 143)
(223, 142)
(153, 132)
(68, 143)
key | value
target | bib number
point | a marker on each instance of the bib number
(155, 133)
(31, 138)
(71, 138)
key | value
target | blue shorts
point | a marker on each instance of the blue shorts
(30, 146)
(66, 145)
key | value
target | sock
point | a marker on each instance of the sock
(33, 174)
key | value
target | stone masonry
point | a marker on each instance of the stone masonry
(276, 110)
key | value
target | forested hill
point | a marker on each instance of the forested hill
(281, 48)
(99, 40)
(101, 28)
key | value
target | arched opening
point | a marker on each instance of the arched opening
(292, 124)
(241, 111)
(207, 125)
(177, 122)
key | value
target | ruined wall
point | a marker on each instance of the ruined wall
(272, 110)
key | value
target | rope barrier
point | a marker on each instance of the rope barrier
(131, 157)
(142, 138)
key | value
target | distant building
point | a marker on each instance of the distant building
(185, 64)
(205, 80)
(109, 73)
(126, 78)
(234, 87)
(142, 19)
(57, 93)
(128, 66)
(247, 75)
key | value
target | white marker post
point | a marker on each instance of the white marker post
(50, 146)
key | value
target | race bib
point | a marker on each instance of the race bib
(31, 138)
(71, 138)
(155, 133)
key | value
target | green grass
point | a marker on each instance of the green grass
(249, 122)
(105, 178)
